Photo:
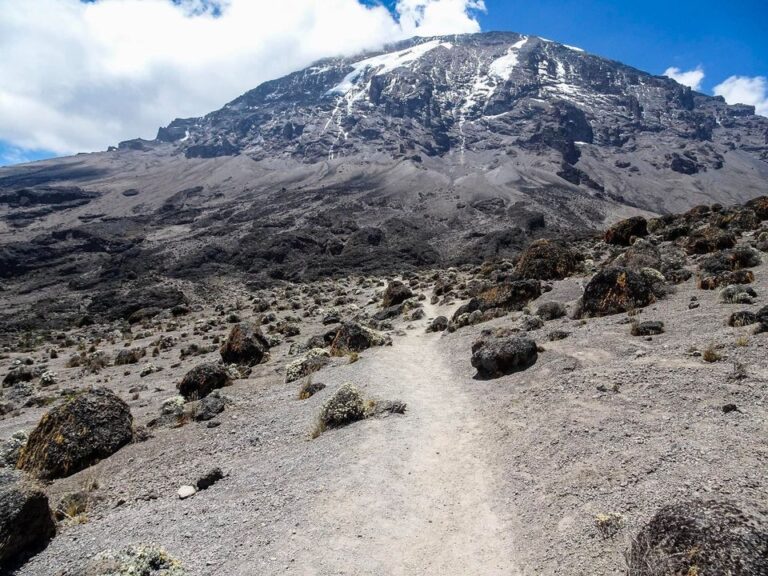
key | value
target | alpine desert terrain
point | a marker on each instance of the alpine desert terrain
(472, 305)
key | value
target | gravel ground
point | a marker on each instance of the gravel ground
(498, 476)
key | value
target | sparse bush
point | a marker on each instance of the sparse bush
(710, 354)
(608, 525)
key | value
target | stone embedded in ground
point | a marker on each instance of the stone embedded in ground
(245, 345)
(89, 427)
(344, 407)
(737, 294)
(186, 491)
(647, 328)
(309, 363)
(710, 239)
(701, 537)
(547, 260)
(26, 523)
(353, 337)
(495, 357)
(309, 389)
(202, 380)
(622, 232)
(396, 293)
(712, 282)
(509, 295)
(209, 478)
(613, 291)
(439, 324)
(129, 356)
(134, 561)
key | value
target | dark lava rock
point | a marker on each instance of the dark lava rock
(622, 232)
(729, 260)
(742, 318)
(728, 408)
(209, 479)
(139, 304)
(20, 374)
(613, 291)
(352, 337)
(647, 328)
(558, 335)
(710, 239)
(726, 279)
(547, 260)
(309, 389)
(202, 380)
(760, 206)
(129, 356)
(389, 312)
(245, 345)
(91, 426)
(496, 357)
(209, 407)
(509, 295)
(701, 537)
(439, 324)
(26, 523)
(396, 293)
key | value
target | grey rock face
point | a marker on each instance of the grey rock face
(432, 151)
(26, 522)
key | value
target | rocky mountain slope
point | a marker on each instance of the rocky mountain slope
(433, 151)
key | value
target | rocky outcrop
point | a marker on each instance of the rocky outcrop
(26, 522)
(202, 380)
(495, 357)
(245, 345)
(91, 426)
(701, 537)
(613, 291)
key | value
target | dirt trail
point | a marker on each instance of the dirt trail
(418, 499)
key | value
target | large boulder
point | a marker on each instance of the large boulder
(91, 426)
(623, 232)
(135, 305)
(760, 206)
(352, 337)
(396, 293)
(714, 281)
(509, 295)
(202, 380)
(547, 260)
(245, 345)
(26, 522)
(701, 537)
(499, 356)
(615, 290)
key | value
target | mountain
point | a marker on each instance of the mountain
(434, 150)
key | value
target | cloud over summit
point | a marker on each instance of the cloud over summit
(79, 76)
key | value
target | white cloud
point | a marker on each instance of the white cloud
(80, 76)
(690, 78)
(745, 90)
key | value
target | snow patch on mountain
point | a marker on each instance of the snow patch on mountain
(385, 63)
(502, 67)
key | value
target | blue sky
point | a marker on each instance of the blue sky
(725, 39)
(79, 76)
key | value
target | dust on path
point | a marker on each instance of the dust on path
(418, 499)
